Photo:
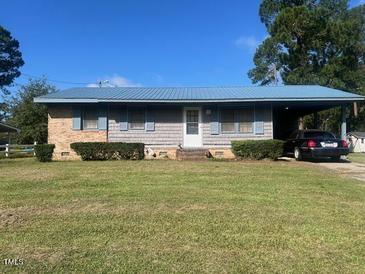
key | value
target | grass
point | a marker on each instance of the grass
(170, 216)
(357, 157)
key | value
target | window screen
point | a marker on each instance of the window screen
(246, 119)
(192, 122)
(227, 121)
(90, 120)
(136, 119)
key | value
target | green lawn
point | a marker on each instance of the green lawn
(170, 216)
(357, 157)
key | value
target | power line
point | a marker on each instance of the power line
(55, 81)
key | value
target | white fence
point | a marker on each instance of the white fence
(9, 151)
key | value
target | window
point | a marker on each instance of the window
(246, 117)
(90, 120)
(227, 121)
(192, 122)
(243, 118)
(136, 119)
(318, 134)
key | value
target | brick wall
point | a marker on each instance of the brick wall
(61, 134)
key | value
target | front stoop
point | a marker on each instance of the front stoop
(192, 154)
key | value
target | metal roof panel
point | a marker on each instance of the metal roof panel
(197, 94)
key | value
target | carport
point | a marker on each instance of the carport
(288, 115)
(7, 130)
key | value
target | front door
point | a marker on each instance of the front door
(192, 127)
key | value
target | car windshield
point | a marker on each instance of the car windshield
(318, 134)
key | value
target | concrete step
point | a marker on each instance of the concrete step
(192, 154)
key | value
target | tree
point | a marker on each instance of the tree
(10, 62)
(10, 58)
(312, 42)
(29, 117)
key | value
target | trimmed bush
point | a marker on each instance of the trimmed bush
(258, 149)
(109, 151)
(44, 152)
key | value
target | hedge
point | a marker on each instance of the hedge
(258, 149)
(109, 151)
(44, 152)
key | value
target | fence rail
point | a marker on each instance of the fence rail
(9, 150)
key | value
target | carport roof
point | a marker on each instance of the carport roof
(7, 128)
(288, 93)
(357, 134)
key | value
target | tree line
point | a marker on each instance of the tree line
(309, 42)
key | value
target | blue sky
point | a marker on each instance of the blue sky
(136, 42)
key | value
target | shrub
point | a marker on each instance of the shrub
(258, 149)
(44, 152)
(109, 151)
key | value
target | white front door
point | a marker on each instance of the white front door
(192, 127)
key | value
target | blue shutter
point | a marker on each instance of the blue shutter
(123, 123)
(76, 118)
(214, 122)
(150, 121)
(102, 118)
(259, 120)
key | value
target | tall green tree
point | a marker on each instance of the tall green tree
(29, 117)
(10, 62)
(313, 42)
(10, 58)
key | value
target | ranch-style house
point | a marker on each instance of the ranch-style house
(166, 119)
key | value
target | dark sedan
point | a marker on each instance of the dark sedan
(315, 144)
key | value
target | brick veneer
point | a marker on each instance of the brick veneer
(61, 134)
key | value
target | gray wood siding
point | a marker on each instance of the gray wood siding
(168, 128)
(224, 139)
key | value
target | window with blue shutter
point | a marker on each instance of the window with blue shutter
(123, 123)
(214, 122)
(150, 120)
(76, 118)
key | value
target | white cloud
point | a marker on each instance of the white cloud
(247, 42)
(115, 81)
(361, 2)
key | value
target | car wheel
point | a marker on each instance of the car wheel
(297, 154)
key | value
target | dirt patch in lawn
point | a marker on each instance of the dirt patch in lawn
(9, 218)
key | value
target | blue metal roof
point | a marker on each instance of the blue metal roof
(198, 94)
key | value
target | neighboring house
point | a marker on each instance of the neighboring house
(356, 141)
(192, 117)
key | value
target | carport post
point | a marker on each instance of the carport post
(315, 116)
(300, 123)
(343, 122)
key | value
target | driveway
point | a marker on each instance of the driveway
(345, 168)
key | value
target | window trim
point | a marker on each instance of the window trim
(130, 110)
